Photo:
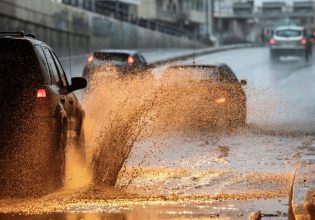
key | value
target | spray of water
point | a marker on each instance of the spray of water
(122, 110)
(119, 110)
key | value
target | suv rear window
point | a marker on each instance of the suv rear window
(19, 68)
(111, 57)
(289, 33)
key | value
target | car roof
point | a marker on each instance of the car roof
(300, 28)
(23, 37)
(116, 51)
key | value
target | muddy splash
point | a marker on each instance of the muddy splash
(119, 111)
(125, 109)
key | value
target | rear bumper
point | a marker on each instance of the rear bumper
(296, 50)
(26, 131)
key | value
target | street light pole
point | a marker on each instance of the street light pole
(210, 17)
(207, 20)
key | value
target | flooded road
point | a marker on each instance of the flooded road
(180, 175)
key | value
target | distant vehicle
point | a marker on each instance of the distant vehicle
(224, 92)
(38, 111)
(126, 62)
(290, 40)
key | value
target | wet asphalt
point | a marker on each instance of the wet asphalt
(210, 176)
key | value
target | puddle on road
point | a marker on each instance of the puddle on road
(167, 161)
(155, 211)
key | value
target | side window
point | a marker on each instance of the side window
(52, 67)
(60, 70)
(43, 63)
(228, 75)
(142, 59)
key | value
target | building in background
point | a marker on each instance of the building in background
(251, 20)
(176, 17)
(186, 16)
(125, 10)
(232, 21)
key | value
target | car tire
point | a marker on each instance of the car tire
(306, 55)
(238, 118)
(241, 121)
(273, 56)
(80, 146)
(59, 158)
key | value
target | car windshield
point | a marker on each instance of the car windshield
(196, 73)
(289, 33)
(111, 57)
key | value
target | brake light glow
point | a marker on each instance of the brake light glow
(41, 93)
(304, 41)
(220, 100)
(131, 60)
(272, 41)
(90, 59)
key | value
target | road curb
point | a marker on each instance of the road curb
(302, 204)
(203, 52)
(197, 52)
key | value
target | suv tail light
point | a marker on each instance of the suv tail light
(41, 93)
(304, 41)
(90, 59)
(272, 41)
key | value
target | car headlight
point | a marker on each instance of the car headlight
(220, 100)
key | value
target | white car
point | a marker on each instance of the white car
(290, 41)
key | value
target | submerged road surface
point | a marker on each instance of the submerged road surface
(208, 175)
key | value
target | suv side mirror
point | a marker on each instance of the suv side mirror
(243, 82)
(77, 83)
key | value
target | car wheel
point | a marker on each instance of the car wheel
(306, 55)
(60, 155)
(80, 145)
(273, 56)
(241, 121)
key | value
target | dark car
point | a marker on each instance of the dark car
(126, 62)
(39, 111)
(290, 41)
(224, 99)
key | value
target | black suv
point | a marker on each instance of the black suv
(39, 111)
(125, 61)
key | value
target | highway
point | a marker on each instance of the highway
(169, 175)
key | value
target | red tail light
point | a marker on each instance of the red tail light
(304, 41)
(272, 41)
(90, 59)
(131, 60)
(41, 93)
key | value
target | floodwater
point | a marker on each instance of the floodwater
(150, 156)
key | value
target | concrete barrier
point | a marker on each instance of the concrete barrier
(302, 204)
(65, 27)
